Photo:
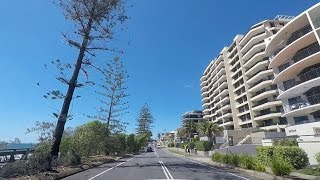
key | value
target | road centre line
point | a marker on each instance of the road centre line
(203, 164)
(166, 171)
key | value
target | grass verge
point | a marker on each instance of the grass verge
(314, 171)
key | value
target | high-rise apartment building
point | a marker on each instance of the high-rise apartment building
(237, 90)
(295, 58)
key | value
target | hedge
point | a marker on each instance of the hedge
(203, 145)
(285, 142)
(295, 156)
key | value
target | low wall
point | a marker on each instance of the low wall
(242, 149)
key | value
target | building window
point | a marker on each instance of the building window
(283, 120)
(274, 31)
(272, 24)
(301, 120)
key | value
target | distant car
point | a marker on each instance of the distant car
(149, 149)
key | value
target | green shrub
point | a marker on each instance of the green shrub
(296, 156)
(171, 144)
(285, 142)
(226, 159)
(70, 158)
(217, 157)
(203, 145)
(246, 161)
(265, 154)
(318, 157)
(280, 167)
(40, 159)
(235, 159)
(258, 166)
(192, 145)
(13, 169)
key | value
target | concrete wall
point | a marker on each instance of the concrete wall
(242, 149)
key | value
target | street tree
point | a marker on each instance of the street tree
(113, 95)
(209, 129)
(144, 121)
(94, 22)
(44, 130)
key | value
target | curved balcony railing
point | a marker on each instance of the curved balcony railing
(299, 33)
(301, 103)
(307, 76)
(305, 52)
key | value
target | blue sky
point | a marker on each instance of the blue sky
(167, 46)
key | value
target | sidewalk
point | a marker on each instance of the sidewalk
(262, 175)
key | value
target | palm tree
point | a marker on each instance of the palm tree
(209, 128)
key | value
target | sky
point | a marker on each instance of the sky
(167, 44)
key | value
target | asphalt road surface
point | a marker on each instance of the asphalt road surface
(158, 165)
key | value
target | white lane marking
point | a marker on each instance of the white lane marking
(207, 165)
(167, 170)
(164, 170)
(110, 169)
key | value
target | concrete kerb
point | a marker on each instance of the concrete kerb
(257, 174)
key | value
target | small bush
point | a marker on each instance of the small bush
(217, 157)
(280, 167)
(246, 162)
(226, 159)
(13, 169)
(258, 166)
(203, 145)
(285, 142)
(170, 144)
(40, 159)
(71, 158)
(235, 159)
(318, 157)
(296, 156)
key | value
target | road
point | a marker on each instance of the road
(158, 165)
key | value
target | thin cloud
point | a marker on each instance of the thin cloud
(188, 86)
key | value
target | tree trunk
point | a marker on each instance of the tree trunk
(68, 98)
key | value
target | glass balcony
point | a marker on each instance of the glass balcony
(305, 52)
(301, 103)
(299, 33)
(309, 75)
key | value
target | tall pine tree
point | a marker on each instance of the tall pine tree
(144, 121)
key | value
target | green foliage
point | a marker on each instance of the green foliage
(203, 145)
(246, 161)
(13, 169)
(130, 143)
(258, 166)
(209, 129)
(171, 144)
(40, 159)
(280, 167)
(317, 156)
(145, 121)
(235, 160)
(285, 142)
(217, 157)
(296, 156)
(226, 159)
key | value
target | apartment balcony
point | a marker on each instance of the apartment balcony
(303, 106)
(244, 122)
(254, 59)
(260, 75)
(241, 104)
(225, 100)
(226, 108)
(284, 33)
(254, 40)
(291, 49)
(266, 116)
(309, 57)
(307, 81)
(203, 78)
(205, 99)
(273, 127)
(229, 123)
(263, 95)
(206, 116)
(224, 93)
(240, 95)
(257, 67)
(204, 88)
(234, 62)
(251, 34)
(239, 87)
(260, 85)
(266, 105)
(205, 105)
(204, 94)
(253, 50)
(243, 113)
(228, 115)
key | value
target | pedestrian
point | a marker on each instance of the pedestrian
(195, 151)
(188, 150)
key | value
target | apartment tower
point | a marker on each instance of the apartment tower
(237, 89)
(295, 58)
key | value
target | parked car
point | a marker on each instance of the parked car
(149, 149)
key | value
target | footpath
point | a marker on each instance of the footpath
(262, 175)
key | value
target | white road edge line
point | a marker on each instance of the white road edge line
(167, 170)
(164, 170)
(207, 165)
(109, 169)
